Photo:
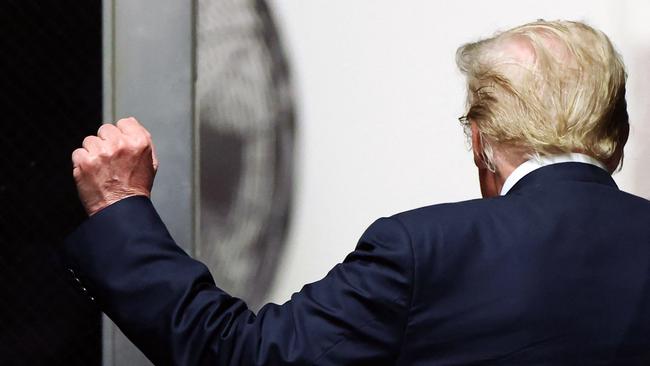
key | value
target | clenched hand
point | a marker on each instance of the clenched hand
(117, 163)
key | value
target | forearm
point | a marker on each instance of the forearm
(152, 290)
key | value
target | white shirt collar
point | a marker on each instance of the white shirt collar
(540, 161)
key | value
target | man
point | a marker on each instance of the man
(552, 267)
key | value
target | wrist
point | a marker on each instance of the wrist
(113, 198)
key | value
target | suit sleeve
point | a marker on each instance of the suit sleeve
(168, 305)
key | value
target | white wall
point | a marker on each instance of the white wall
(379, 95)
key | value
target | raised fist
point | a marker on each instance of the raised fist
(117, 163)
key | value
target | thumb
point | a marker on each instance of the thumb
(154, 158)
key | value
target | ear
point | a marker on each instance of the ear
(477, 146)
(616, 159)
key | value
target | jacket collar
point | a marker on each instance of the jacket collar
(539, 161)
(564, 172)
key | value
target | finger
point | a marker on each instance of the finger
(92, 144)
(108, 132)
(154, 157)
(78, 157)
(130, 126)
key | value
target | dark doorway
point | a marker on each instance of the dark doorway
(51, 98)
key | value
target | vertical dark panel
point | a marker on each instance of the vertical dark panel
(50, 73)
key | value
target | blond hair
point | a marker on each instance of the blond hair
(547, 87)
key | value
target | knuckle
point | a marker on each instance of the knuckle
(90, 162)
(127, 120)
(77, 155)
(108, 148)
(76, 173)
(121, 122)
(85, 164)
(105, 153)
(119, 144)
(105, 128)
(140, 142)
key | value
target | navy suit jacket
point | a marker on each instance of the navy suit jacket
(556, 272)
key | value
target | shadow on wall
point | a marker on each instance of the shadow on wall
(246, 135)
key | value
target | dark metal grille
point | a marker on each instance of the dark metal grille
(50, 73)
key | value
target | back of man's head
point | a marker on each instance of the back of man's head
(547, 88)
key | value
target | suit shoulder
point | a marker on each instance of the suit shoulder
(454, 224)
(634, 198)
(446, 212)
(408, 225)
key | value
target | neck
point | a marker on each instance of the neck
(492, 182)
